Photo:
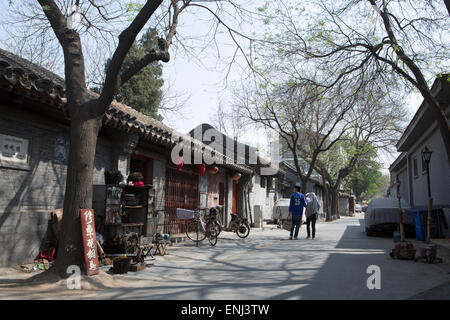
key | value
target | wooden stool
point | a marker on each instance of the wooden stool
(146, 249)
(160, 247)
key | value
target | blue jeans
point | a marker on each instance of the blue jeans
(296, 220)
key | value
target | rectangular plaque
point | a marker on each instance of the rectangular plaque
(89, 241)
(13, 149)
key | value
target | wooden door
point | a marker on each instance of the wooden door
(140, 163)
(181, 192)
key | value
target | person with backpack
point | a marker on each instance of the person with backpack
(311, 213)
(296, 205)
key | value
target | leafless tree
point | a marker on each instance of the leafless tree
(226, 121)
(308, 119)
(376, 122)
(101, 23)
(405, 40)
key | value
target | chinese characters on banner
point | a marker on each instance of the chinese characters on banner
(89, 241)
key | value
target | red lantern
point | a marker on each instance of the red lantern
(201, 168)
(236, 176)
(179, 163)
(213, 170)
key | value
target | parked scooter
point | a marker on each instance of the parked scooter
(240, 226)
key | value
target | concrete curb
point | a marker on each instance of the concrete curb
(442, 250)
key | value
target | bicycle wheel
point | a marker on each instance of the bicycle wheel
(194, 231)
(213, 228)
(243, 229)
(212, 240)
(212, 231)
(219, 228)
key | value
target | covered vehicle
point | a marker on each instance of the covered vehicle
(382, 215)
(280, 209)
(358, 208)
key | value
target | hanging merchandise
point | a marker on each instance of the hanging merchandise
(112, 216)
(213, 169)
(201, 168)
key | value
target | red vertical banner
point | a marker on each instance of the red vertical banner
(89, 241)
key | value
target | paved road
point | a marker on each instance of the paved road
(268, 266)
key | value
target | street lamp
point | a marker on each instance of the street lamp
(426, 156)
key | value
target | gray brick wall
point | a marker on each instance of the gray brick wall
(28, 194)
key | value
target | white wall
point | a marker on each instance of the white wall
(259, 197)
(439, 172)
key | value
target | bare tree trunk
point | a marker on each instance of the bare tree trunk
(327, 198)
(86, 116)
(335, 202)
(419, 82)
(78, 194)
(304, 181)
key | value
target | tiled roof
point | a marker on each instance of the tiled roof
(31, 68)
(23, 77)
(37, 83)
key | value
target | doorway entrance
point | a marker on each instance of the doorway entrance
(139, 163)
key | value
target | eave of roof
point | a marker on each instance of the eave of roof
(261, 162)
(24, 78)
(398, 163)
(220, 158)
(423, 118)
(35, 82)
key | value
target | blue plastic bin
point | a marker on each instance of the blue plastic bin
(420, 234)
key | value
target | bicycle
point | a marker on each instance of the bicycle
(196, 228)
(214, 216)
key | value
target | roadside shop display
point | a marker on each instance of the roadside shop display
(127, 211)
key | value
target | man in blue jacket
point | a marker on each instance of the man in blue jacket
(296, 205)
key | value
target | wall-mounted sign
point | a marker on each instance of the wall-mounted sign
(13, 149)
(89, 241)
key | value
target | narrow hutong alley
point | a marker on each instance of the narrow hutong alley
(266, 265)
(220, 158)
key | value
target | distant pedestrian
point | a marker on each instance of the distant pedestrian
(296, 205)
(311, 213)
